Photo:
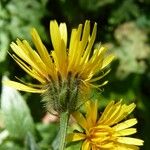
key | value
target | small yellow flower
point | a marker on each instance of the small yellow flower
(63, 72)
(106, 132)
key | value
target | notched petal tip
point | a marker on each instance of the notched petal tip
(12, 44)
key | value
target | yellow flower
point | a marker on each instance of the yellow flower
(63, 72)
(106, 132)
(75, 61)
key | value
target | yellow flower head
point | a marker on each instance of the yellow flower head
(68, 69)
(106, 132)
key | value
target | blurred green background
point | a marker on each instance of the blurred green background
(123, 27)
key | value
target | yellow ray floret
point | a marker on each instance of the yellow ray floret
(79, 60)
(106, 132)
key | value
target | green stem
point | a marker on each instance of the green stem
(64, 117)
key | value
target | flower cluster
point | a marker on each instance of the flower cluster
(65, 75)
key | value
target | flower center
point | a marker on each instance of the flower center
(101, 136)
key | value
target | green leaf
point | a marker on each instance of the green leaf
(16, 114)
(48, 133)
(30, 142)
(9, 145)
(4, 42)
(74, 145)
(55, 144)
(3, 135)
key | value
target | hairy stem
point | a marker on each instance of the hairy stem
(64, 117)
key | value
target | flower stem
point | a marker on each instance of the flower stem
(64, 117)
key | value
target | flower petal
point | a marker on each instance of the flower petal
(80, 119)
(126, 124)
(86, 145)
(22, 87)
(43, 52)
(63, 32)
(130, 141)
(75, 137)
(91, 115)
(125, 132)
